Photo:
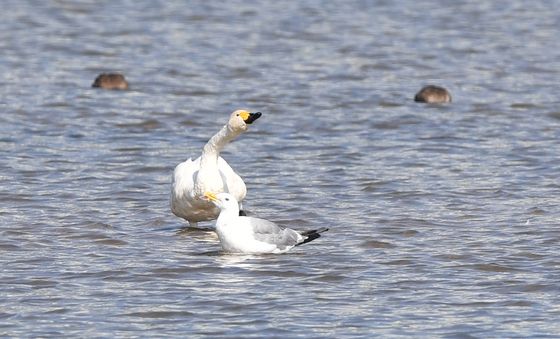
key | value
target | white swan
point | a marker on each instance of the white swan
(209, 172)
(241, 234)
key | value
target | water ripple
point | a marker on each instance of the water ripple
(442, 218)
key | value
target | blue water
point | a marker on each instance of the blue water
(444, 219)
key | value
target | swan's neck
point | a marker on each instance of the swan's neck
(208, 177)
(214, 146)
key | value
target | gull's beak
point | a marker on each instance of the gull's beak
(250, 117)
(210, 196)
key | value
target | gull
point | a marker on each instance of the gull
(209, 172)
(242, 234)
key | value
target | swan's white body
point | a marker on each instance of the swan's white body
(209, 172)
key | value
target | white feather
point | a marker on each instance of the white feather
(209, 172)
(241, 234)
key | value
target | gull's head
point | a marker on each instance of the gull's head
(239, 119)
(222, 200)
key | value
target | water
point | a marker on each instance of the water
(443, 219)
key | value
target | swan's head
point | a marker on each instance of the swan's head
(239, 119)
(222, 200)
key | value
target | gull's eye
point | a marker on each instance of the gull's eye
(227, 199)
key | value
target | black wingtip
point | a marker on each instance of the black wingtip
(312, 235)
(242, 213)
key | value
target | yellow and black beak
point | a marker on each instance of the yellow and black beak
(250, 117)
(211, 196)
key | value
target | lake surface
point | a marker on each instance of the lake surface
(444, 219)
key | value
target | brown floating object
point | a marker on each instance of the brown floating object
(433, 95)
(110, 81)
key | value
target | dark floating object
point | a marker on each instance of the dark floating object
(433, 95)
(110, 81)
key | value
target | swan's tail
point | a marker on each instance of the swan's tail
(312, 235)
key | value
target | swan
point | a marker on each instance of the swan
(209, 172)
(242, 234)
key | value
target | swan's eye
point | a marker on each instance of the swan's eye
(227, 199)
